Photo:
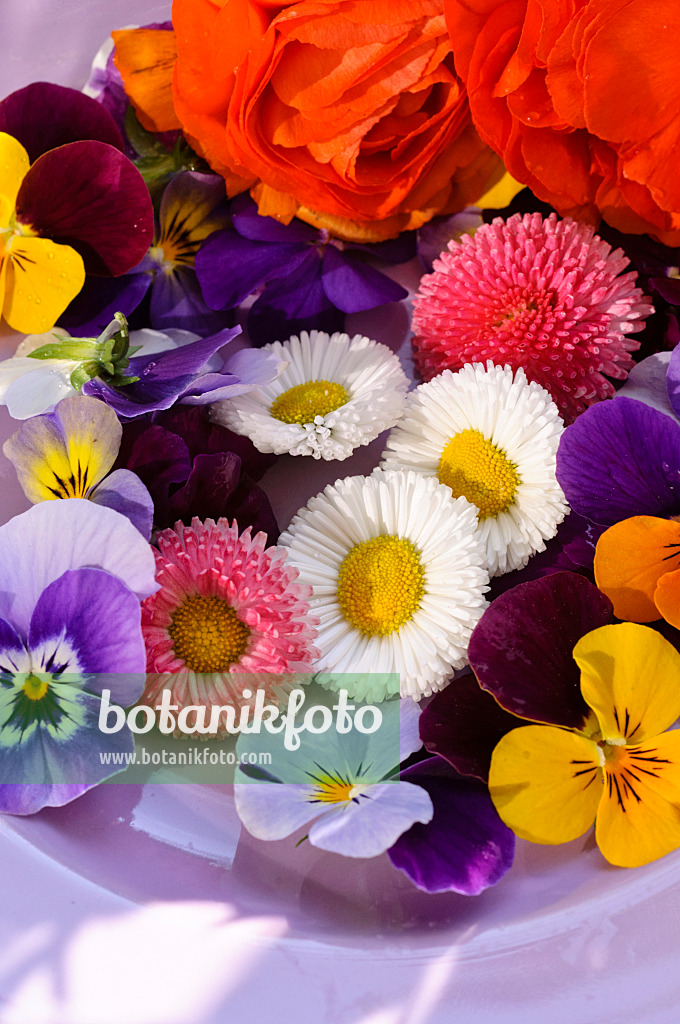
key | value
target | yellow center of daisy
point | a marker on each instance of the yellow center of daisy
(302, 403)
(380, 584)
(476, 469)
(207, 634)
(35, 688)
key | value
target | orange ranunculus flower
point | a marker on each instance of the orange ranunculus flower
(346, 112)
(581, 98)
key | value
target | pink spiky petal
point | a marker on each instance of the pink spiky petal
(548, 295)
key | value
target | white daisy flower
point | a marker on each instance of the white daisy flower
(398, 578)
(335, 394)
(492, 437)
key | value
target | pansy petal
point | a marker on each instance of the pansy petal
(99, 618)
(90, 196)
(373, 821)
(39, 390)
(39, 545)
(252, 225)
(353, 285)
(531, 672)
(125, 493)
(43, 116)
(465, 847)
(638, 819)
(230, 268)
(621, 459)
(630, 677)
(64, 454)
(14, 163)
(546, 783)
(42, 277)
(28, 799)
(270, 810)
(190, 211)
(630, 559)
(463, 723)
(667, 598)
(12, 649)
(673, 381)
(646, 383)
(177, 301)
(100, 298)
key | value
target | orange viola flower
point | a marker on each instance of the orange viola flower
(349, 115)
(637, 565)
(581, 98)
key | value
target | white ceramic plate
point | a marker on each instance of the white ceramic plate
(143, 905)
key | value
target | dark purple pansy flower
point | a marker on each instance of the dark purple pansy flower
(465, 848)
(196, 468)
(620, 459)
(521, 654)
(308, 279)
(192, 207)
(179, 367)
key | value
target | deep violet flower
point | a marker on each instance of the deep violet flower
(193, 467)
(309, 280)
(547, 295)
(73, 576)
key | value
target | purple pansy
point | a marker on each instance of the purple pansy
(526, 673)
(308, 279)
(620, 459)
(466, 847)
(192, 207)
(196, 468)
(74, 574)
(180, 367)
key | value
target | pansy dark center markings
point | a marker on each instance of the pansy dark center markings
(35, 688)
(335, 789)
(207, 634)
(380, 584)
(476, 469)
(304, 402)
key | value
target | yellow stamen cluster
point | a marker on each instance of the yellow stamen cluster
(476, 469)
(207, 634)
(302, 403)
(380, 584)
(35, 688)
(330, 790)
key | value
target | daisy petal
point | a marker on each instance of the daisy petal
(630, 677)
(546, 783)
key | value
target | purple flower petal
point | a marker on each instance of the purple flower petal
(100, 297)
(28, 799)
(157, 456)
(90, 196)
(202, 437)
(353, 286)
(294, 303)
(250, 224)
(463, 723)
(41, 544)
(10, 645)
(177, 301)
(99, 618)
(229, 268)
(466, 847)
(521, 648)
(124, 492)
(620, 459)
(43, 116)
(163, 377)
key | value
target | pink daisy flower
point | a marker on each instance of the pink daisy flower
(546, 295)
(227, 606)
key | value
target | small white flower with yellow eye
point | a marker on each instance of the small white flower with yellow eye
(398, 582)
(491, 436)
(335, 394)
